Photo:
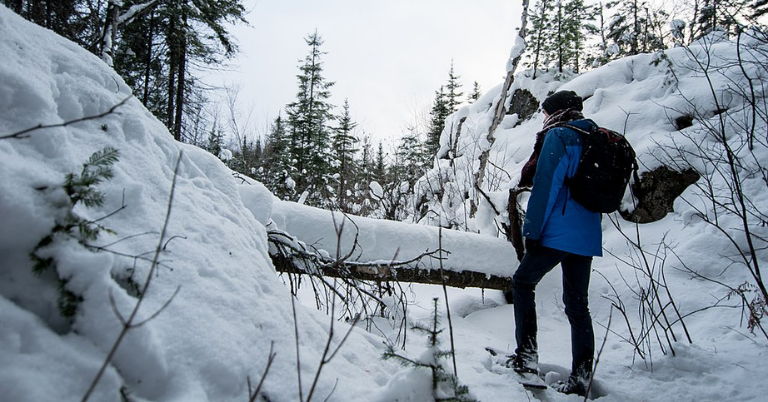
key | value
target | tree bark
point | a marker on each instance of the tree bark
(109, 34)
(180, 79)
(172, 70)
(379, 272)
(148, 60)
(500, 110)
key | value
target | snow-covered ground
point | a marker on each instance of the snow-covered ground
(230, 307)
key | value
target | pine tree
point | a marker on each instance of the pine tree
(634, 27)
(452, 93)
(215, 141)
(308, 118)
(538, 37)
(365, 175)
(579, 28)
(446, 102)
(411, 157)
(604, 50)
(75, 20)
(475, 94)
(344, 163)
(380, 165)
(156, 54)
(276, 166)
(445, 385)
(440, 111)
(569, 37)
(244, 158)
(721, 15)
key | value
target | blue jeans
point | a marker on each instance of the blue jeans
(576, 270)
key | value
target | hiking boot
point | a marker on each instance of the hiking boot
(572, 386)
(522, 365)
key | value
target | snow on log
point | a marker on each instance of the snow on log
(375, 249)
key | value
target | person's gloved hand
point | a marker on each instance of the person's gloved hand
(532, 245)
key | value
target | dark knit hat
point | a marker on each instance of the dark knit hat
(562, 100)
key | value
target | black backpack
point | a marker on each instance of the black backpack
(607, 161)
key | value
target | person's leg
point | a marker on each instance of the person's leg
(532, 268)
(576, 272)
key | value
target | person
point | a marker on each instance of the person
(557, 230)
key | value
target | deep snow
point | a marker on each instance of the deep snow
(231, 306)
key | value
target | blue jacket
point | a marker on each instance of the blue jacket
(552, 217)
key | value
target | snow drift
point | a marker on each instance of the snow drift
(230, 307)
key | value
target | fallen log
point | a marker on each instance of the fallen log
(401, 273)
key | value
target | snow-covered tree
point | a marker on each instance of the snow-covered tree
(452, 93)
(538, 37)
(308, 118)
(276, 163)
(636, 27)
(160, 55)
(344, 164)
(475, 94)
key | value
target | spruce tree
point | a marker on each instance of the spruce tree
(437, 116)
(569, 24)
(602, 55)
(475, 94)
(538, 38)
(76, 20)
(364, 175)
(411, 157)
(447, 101)
(579, 28)
(452, 93)
(625, 26)
(215, 141)
(159, 54)
(344, 163)
(379, 172)
(637, 27)
(276, 163)
(308, 118)
(721, 15)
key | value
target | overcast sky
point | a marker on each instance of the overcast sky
(387, 57)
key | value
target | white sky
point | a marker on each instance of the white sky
(388, 58)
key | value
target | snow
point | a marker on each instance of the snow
(387, 241)
(230, 307)
(516, 52)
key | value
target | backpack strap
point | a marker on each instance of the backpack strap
(574, 128)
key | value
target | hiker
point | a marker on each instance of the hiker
(557, 230)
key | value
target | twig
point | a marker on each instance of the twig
(599, 353)
(252, 395)
(128, 324)
(296, 339)
(447, 306)
(24, 133)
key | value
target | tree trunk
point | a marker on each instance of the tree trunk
(180, 79)
(464, 279)
(173, 50)
(148, 60)
(107, 45)
(500, 111)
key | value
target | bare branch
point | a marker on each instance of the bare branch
(25, 133)
(129, 323)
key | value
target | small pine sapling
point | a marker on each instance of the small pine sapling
(80, 189)
(445, 386)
